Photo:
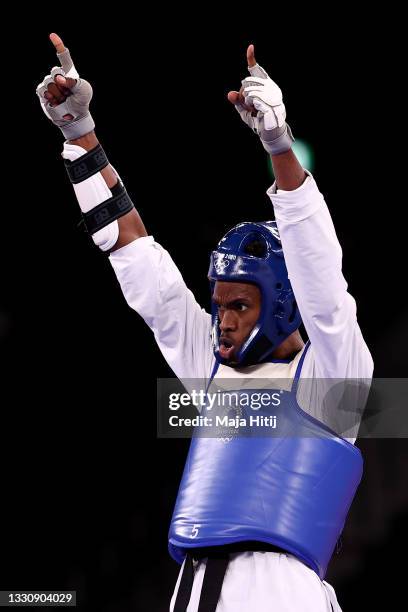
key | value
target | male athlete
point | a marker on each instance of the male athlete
(256, 519)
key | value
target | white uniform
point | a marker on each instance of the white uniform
(154, 287)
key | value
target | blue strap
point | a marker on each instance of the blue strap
(299, 367)
(213, 373)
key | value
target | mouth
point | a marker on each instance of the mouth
(226, 348)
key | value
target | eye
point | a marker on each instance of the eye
(241, 307)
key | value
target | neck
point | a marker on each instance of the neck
(293, 344)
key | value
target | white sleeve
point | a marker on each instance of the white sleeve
(313, 257)
(338, 403)
(154, 287)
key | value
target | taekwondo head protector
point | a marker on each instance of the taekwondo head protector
(233, 261)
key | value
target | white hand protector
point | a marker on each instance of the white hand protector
(269, 119)
(76, 104)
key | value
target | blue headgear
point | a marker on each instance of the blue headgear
(279, 313)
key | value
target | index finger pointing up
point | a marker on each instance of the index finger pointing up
(251, 56)
(57, 42)
(64, 57)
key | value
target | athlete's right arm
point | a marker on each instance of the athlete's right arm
(149, 278)
(130, 225)
(65, 99)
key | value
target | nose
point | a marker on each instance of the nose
(228, 320)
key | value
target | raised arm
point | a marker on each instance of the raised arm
(65, 99)
(130, 226)
(150, 280)
(312, 252)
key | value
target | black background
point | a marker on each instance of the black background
(88, 489)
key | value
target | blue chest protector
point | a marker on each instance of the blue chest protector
(292, 490)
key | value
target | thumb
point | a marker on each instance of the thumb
(233, 97)
(65, 81)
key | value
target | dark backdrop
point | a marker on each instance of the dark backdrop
(88, 489)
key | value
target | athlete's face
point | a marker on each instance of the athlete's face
(239, 308)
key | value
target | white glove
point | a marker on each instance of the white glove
(268, 122)
(76, 105)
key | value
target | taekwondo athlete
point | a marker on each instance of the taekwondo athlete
(268, 523)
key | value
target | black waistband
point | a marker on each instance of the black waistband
(218, 558)
(217, 551)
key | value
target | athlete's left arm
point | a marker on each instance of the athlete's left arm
(314, 260)
(312, 251)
